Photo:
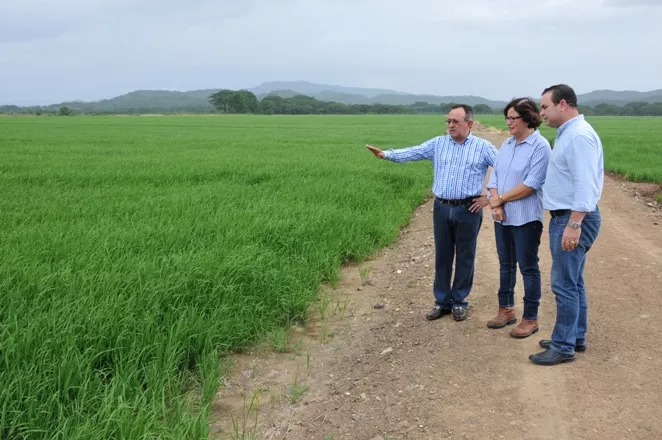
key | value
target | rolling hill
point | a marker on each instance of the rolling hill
(141, 101)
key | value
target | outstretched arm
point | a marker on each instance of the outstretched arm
(418, 152)
(376, 151)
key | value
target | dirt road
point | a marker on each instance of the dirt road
(389, 373)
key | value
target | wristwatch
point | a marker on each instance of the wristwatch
(575, 225)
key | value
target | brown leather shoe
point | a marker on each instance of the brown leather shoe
(526, 328)
(506, 316)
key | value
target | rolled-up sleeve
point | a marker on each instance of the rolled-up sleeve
(583, 163)
(492, 182)
(490, 154)
(535, 176)
(424, 151)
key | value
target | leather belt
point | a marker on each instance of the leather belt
(560, 212)
(457, 202)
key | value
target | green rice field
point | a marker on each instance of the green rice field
(632, 145)
(135, 252)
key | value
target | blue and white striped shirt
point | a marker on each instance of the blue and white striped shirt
(459, 169)
(576, 168)
(525, 163)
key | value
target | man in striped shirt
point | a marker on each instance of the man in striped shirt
(460, 162)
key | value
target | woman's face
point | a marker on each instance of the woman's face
(516, 124)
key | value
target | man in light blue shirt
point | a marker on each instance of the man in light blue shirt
(460, 162)
(571, 192)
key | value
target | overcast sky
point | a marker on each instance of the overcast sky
(51, 51)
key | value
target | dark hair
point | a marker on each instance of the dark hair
(468, 110)
(527, 109)
(562, 92)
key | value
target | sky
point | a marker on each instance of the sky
(53, 51)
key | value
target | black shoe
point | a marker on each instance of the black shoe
(546, 343)
(437, 312)
(459, 312)
(551, 357)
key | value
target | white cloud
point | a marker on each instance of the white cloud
(495, 48)
(632, 3)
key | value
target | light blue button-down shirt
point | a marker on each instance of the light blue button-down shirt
(524, 162)
(459, 169)
(576, 168)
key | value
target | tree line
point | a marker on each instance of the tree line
(245, 102)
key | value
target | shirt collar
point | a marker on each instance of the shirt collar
(529, 139)
(568, 123)
(469, 136)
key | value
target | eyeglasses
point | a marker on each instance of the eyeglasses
(511, 119)
(454, 121)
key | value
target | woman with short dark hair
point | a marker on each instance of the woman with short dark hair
(516, 203)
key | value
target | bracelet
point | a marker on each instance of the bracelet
(501, 199)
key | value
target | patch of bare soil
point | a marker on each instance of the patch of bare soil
(369, 366)
(641, 191)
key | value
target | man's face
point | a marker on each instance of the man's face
(550, 112)
(458, 128)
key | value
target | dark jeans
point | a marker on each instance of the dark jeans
(518, 245)
(568, 282)
(455, 237)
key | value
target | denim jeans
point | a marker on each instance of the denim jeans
(567, 281)
(518, 245)
(455, 237)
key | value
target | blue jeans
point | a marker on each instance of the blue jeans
(568, 282)
(519, 245)
(455, 237)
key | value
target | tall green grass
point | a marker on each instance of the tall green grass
(135, 251)
(632, 145)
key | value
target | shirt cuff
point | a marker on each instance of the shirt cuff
(583, 208)
(536, 185)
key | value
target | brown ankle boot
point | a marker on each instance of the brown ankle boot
(526, 328)
(506, 316)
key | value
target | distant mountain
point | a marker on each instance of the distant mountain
(312, 89)
(282, 93)
(432, 99)
(620, 97)
(145, 101)
(142, 101)
(346, 98)
(357, 95)
(157, 98)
